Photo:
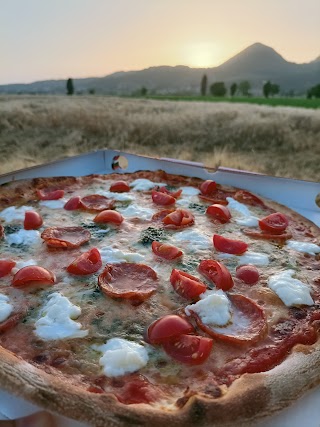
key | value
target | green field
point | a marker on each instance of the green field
(281, 102)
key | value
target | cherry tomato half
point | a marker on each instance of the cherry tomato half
(219, 212)
(178, 219)
(248, 274)
(73, 204)
(46, 194)
(6, 265)
(167, 328)
(229, 246)
(162, 199)
(275, 222)
(186, 285)
(217, 273)
(174, 194)
(166, 251)
(189, 349)
(119, 187)
(33, 274)
(32, 220)
(109, 216)
(87, 263)
(208, 187)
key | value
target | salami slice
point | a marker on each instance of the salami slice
(65, 237)
(96, 202)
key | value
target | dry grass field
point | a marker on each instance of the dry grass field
(280, 141)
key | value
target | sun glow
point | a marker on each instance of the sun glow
(202, 55)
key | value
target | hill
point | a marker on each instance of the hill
(257, 63)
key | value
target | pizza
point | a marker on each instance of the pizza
(156, 299)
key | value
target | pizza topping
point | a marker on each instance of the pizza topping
(162, 199)
(291, 291)
(137, 389)
(1, 231)
(248, 198)
(23, 237)
(255, 258)
(96, 202)
(189, 349)
(135, 282)
(32, 220)
(53, 204)
(47, 194)
(166, 251)
(87, 263)
(208, 187)
(167, 328)
(186, 285)
(249, 274)
(142, 184)
(21, 264)
(274, 223)
(5, 307)
(119, 187)
(14, 214)
(193, 239)
(219, 212)
(190, 191)
(306, 247)
(111, 255)
(65, 237)
(246, 218)
(33, 275)
(73, 204)
(56, 320)
(268, 236)
(109, 216)
(6, 265)
(213, 308)
(217, 273)
(248, 323)
(136, 211)
(230, 246)
(178, 219)
(175, 194)
(121, 357)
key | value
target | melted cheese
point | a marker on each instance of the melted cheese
(246, 217)
(56, 321)
(254, 258)
(291, 291)
(14, 214)
(53, 204)
(5, 307)
(193, 239)
(306, 247)
(143, 184)
(122, 357)
(23, 237)
(213, 308)
(112, 255)
(136, 211)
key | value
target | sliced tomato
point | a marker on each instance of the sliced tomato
(135, 282)
(33, 274)
(217, 273)
(162, 214)
(137, 389)
(65, 237)
(87, 263)
(1, 232)
(186, 285)
(109, 216)
(175, 194)
(32, 220)
(166, 251)
(248, 322)
(178, 219)
(275, 223)
(248, 198)
(229, 246)
(162, 199)
(73, 204)
(267, 236)
(208, 187)
(249, 274)
(167, 328)
(47, 194)
(120, 187)
(219, 212)
(189, 349)
(6, 265)
(96, 202)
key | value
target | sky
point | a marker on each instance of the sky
(57, 39)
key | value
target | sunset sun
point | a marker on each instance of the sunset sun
(202, 55)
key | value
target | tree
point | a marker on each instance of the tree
(314, 92)
(143, 91)
(204, 82)
(218, 89)
(266, 89)
(70, 87)
(233, 89)
(244, 88)
(275, 89)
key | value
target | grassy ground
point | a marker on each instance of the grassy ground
(274, 102)
(280, 141)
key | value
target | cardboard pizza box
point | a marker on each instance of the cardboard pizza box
(298, 195)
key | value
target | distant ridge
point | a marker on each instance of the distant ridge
(257, 64)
